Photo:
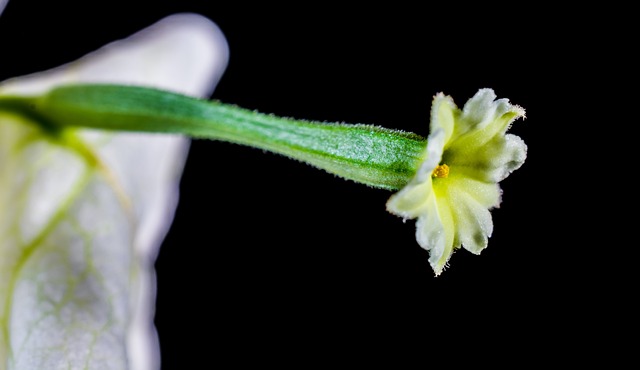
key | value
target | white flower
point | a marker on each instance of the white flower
(468, 152)
(78, 239)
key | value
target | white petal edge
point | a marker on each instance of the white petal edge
(431, 233)
(432, 155)
(512, 158)
(481, 108)
(473, 221)
(185, 53)
(442, 118)
(3, 3)
(482, 119)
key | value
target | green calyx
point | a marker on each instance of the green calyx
(368, 154)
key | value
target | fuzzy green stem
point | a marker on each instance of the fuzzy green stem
(368, 154)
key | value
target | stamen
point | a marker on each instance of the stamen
(441, 171)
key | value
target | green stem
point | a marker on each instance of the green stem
(367, 154)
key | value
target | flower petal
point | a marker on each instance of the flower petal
(509, 158)
(479, 110)
(453, 209)
(482, 120)
(435, 233)
(411, 200)
(492, 162)
(443, 117)
(432, 154)
(485, 193)
(471, 217)
(3, 3)
(78, 242)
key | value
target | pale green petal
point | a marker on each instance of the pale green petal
(435, 232)
(77, 242)
(498, 158)
(486, 193)
(492, 162)
(482, 119)
(432, 155)
(411, 201)
(475, 114)
(429, 233)
(471, 217)
(443, 117)
(511, 157)
(479, 110)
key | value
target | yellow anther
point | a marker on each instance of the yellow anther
(441, 171)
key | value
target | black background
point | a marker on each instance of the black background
(271, 260)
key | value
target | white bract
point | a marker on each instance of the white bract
(78, 239)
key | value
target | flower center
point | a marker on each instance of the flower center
(441, 171)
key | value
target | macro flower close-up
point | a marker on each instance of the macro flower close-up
(468, 152)
(191, 184)
(147, 222)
